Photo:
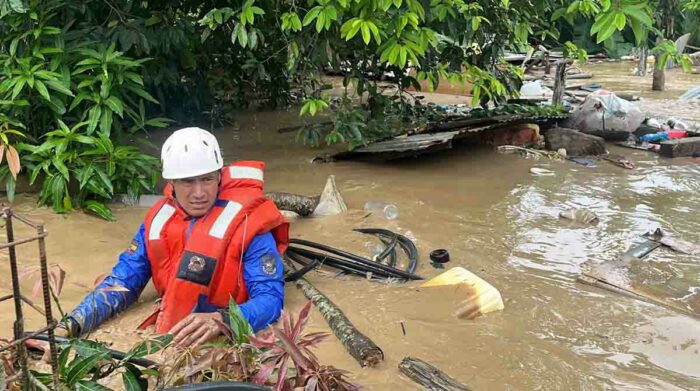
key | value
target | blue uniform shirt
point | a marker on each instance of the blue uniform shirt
(265, 285)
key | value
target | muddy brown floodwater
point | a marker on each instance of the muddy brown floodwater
(497, 220)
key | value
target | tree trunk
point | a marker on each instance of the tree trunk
(302, 205)
(559, 83)
(428, 376)
(642, 67)
(659, 82)
(357, 344)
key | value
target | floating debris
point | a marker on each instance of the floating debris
(541, 171)
(582, 216)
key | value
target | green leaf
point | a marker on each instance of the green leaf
(87, 348)
(365, 33)
(475, 23)
(132, 379)
(82, 366)
(57, 86)
(639, 15)
(239, 325)
(19, 85)
(60, 166)
(620, 21)
(10, 186)
(115, 105)
(140, 92)
(106, 122)
(149, 346)
(94, 115)
(41, 88)
(100, 209)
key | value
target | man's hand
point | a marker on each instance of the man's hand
(197, 329)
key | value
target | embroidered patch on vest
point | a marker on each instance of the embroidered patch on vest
(133, 247)
(196, 268)
(269, 264)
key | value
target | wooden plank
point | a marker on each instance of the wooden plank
(681, 147)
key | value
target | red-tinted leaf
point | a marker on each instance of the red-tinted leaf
(312, 339)
(59, 279)
(286, 323)
(262, 343)
(282, 375)
(264, 373)
(301, 362)
(36, 289)
(303, 318)
(13, 160)
(311, 384)
(276, 353)
(2, 151)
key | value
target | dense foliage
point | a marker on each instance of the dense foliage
(81, 81)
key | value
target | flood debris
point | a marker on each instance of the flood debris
(604, 111)
(574, 142)
(674, 244)
(480, 297)
(680, 147)
(640, 250)
(619, 161)
(580, 216)
(330, 202)
(311, 255)
(360, 347)
(602, 283)
(537, 171)
(428, 376)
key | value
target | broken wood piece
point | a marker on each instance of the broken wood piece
(681, 147)
(428, 376)
(579, 76)
(300, 204)
(366, 352)
(629, 292)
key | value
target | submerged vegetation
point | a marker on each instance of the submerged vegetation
(82, 83)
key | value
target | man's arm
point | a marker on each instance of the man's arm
(116, 292)
(264, 279)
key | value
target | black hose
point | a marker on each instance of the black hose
(351, 260)
(388, 250)
(291, 277)
(304, 260)
(117, 355)
(407, 244)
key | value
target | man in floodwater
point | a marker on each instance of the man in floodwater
(213, 237)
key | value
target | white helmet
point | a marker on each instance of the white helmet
(190, 152)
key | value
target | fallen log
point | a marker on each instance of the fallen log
(300, 204)
(579, 76)
(366, 352)
(428, 376)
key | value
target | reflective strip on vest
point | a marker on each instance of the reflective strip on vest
(163, 215)
(243, 172)
(218, 230)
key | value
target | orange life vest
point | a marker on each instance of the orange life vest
(201, 259)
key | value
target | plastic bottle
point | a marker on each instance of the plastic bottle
(390, 211)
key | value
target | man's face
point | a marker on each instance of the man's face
(197, 194)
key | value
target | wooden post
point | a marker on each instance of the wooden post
(357, 344)
(428, 376)
(559, 82)
(547, 63)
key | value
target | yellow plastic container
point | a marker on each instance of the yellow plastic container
(481, 297)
